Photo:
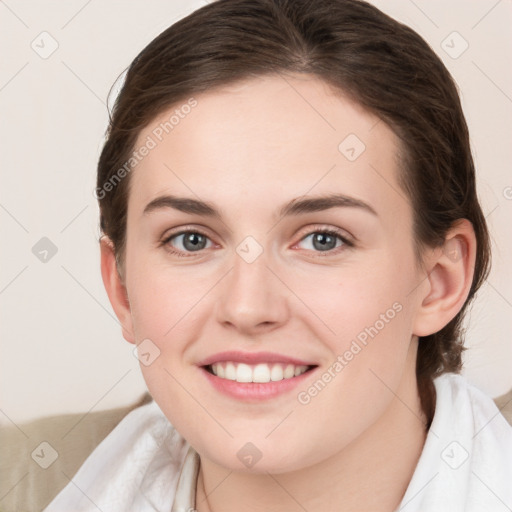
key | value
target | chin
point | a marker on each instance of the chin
(256, 457)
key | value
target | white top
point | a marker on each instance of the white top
(145, 465)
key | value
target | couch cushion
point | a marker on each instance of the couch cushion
(504, 403)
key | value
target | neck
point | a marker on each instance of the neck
(372, 473)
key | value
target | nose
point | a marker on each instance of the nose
(252, 298)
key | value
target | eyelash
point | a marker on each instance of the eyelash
(322, 254)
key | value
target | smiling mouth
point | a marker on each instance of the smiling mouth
(258, 373)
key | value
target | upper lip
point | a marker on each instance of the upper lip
(253, 358)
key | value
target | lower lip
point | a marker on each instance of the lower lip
(254, 391)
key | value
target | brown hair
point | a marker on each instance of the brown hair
(383, 65)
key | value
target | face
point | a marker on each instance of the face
(327, 286)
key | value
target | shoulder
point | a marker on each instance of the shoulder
(147, 425)
(466, 461)
(143, 433)
(139, 460)
(455, 390)
(467, 414)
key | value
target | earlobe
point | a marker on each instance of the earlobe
(449, 280)
(115, 288)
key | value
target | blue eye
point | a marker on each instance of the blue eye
(326, 240)
(192, 241)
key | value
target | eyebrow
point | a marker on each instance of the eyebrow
(296, 206)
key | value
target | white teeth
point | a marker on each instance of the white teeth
(230, 371)
(276, 373)
(261, 372)
(289, 371)
(243, 373)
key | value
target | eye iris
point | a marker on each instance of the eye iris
(323, 241)
(194, 241)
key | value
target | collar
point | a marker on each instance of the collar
(185, 499)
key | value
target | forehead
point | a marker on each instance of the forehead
(269, 137)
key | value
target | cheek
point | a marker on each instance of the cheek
(165, 312)
(162, 299)
(369, 354)
(366, 325)
(352, 298)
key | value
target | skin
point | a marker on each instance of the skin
(248, 149)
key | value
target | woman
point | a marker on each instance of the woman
(291, 237)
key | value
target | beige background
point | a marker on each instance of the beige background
(61, 346)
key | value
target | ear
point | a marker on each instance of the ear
(450, 272)
(115, 288)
